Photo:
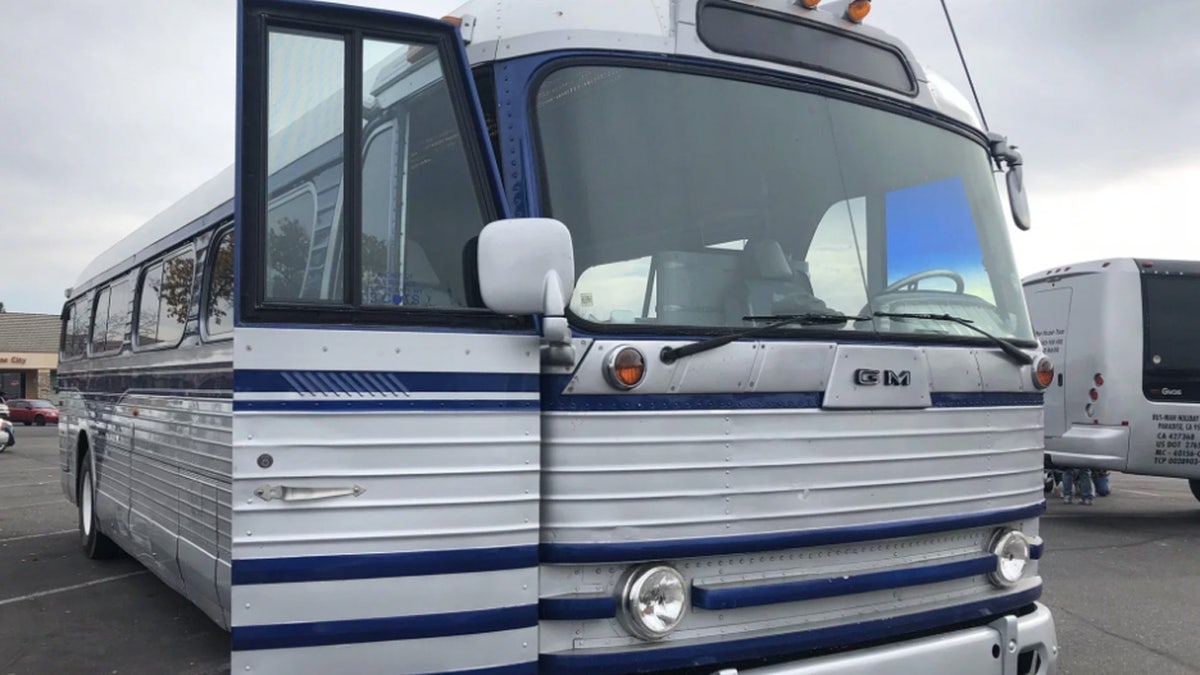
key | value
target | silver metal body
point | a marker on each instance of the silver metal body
(393, 500)
(1090, 317)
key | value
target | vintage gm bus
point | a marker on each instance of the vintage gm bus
(588, 336)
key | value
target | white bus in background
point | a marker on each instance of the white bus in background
(1124, 335)
(633, 336)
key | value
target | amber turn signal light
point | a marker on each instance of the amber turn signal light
(1043, 372)
(625, 367)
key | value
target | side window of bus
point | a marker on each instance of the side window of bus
(111, 319)
(837, 256)
(75, 330)
(166, 300)
(218, 316)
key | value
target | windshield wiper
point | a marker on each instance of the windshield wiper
(672, 354)
(1007, 347)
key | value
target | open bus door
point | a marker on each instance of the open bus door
(386, 427)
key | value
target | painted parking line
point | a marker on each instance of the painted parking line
(1144, 493)
(75, 587)
(19, 485)
(36, 536)
(56, 502)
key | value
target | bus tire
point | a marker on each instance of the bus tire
(1194, 483)
(95, 544)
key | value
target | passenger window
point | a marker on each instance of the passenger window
(218, 318)
(166, 301)
(100, 320)
(837, 256)
(74, 331)
(111, 320)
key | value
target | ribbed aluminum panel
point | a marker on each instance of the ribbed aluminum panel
(646, 476)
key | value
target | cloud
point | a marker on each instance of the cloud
(112, 111)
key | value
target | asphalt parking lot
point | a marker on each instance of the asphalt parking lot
(63, 613)
(1122, 577)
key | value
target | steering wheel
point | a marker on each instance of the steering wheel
(909, 283)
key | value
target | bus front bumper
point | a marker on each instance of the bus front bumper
(1010, 645)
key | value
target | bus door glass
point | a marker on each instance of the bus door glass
(386, 426)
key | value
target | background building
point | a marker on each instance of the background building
(28, 354)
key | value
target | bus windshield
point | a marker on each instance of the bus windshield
(697, 201)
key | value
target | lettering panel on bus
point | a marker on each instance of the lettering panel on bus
(386, 428)
(1050, 310)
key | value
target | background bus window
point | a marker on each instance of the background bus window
(166, 296)
(218, 319)
(290, 227)
(420, 203)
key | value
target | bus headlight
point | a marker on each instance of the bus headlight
(1011, 549)
(654, 600)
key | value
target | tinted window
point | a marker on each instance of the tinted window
(795, 43)
(1171, 324)
(166, 300)
(218, 318)
(41, 404)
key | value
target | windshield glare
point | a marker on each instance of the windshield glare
(696, 201)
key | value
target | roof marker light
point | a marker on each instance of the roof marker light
(858, 10)
(808, 4)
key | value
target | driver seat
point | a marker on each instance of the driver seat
(766, 278)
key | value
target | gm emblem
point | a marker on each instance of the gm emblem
(869, 377)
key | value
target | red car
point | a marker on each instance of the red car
(32, 411)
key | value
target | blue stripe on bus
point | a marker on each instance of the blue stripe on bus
(383, 404)
(353, 631)
(1035, 551)
(984, 399)
(673, 549)
(813, 589)
(711, 654)
(378, 565)
(375, 382)
(641, 402)
(577, 609)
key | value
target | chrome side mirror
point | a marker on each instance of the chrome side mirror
(1014, 178)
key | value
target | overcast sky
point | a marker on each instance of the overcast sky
(113, 110)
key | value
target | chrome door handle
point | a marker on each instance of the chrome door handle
(301, 494)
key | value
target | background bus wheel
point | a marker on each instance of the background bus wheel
(1194, 483)
(95, 544)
